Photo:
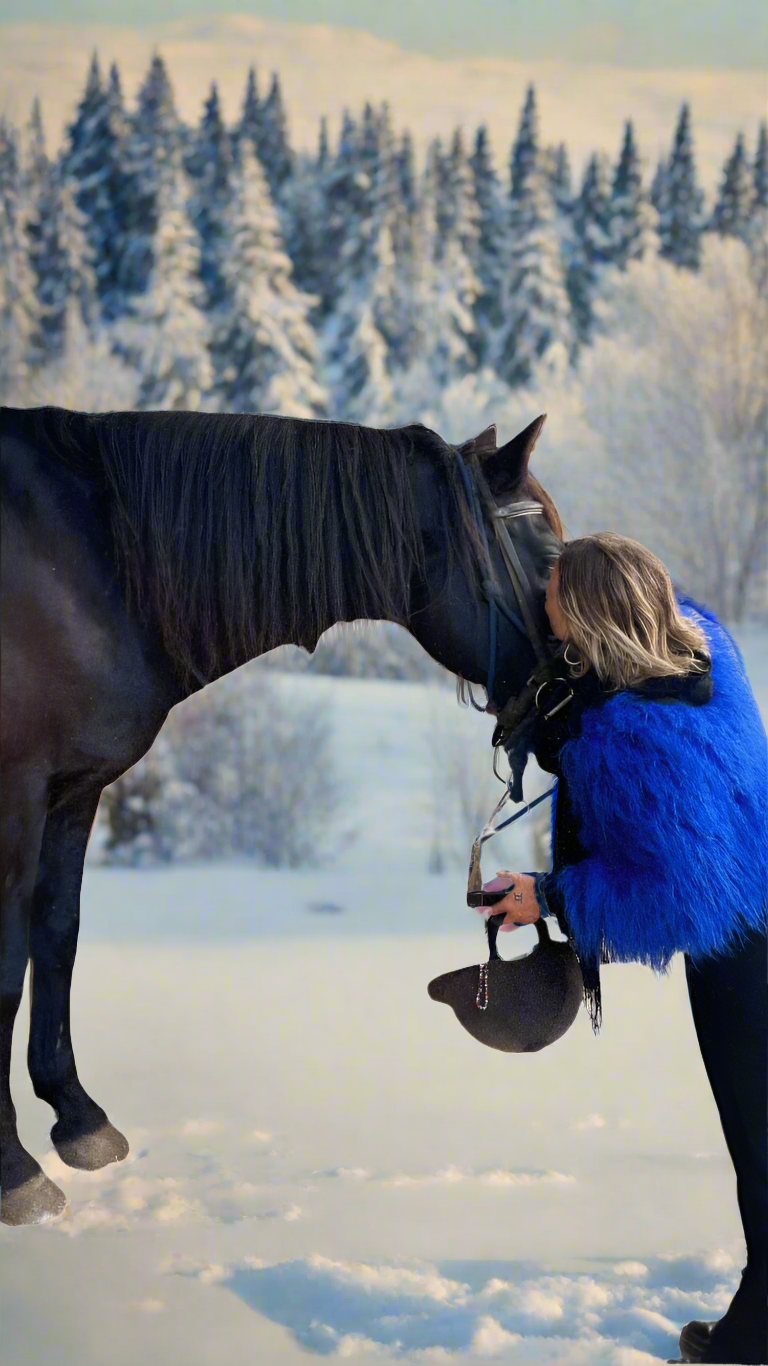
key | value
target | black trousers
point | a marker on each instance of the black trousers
(729, 1001)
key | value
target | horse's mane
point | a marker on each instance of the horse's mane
(238, 532)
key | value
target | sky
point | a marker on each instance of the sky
(633, 33)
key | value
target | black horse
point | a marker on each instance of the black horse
(145, 555)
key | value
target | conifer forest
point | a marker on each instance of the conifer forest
(153, 264)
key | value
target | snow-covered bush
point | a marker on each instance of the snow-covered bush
(236, 771)
(141, 814)
(360, 649)
(88, 377)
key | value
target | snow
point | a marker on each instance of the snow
(322, 1160)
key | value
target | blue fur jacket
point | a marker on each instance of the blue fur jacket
(660, 814)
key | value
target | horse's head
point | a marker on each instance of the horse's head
(455, 625)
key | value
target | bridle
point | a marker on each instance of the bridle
(516, 711)
(477, 489)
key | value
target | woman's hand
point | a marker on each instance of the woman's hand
(520, 904)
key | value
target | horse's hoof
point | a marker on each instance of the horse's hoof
(694, 1339)
(89, 1151)
(36, 1201)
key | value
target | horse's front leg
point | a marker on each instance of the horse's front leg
(83, 1136)
(27, 1196)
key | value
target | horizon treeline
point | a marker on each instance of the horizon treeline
(220, 268)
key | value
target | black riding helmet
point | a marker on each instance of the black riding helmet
(519, 1005)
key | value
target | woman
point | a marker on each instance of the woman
(658, 846)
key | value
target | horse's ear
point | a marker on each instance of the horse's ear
(507, 466)
(480, 446)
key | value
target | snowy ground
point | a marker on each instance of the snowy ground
(323, 1162)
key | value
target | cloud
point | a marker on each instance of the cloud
(450, 1176)
(630, 1315)
(591, 1122)
(195, 1128)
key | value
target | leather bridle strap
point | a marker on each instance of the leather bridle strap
(513, 720)
(518, 577)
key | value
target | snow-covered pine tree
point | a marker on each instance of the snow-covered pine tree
(656, 192)
(406, 172)
(492, 245)
(263, 347)
(459, 245)
(555, 166)
(209, 165)
(274, 149)
(58, 249)
(593, 246)
(386, 177)
(534, 305)
(344, 189)
(164, 337)
(93, 162)
(525, 157)
(390, 214)
(80, 131)
(556, 169)
(369, 142)
(560, 179)
(453, 286)
(439, 162)
(249, 125)
(634, 221)
(680, 201)
(10, 178)
(444, 289)
(18, 301)
(35, 166)
(404, 241)
(760, 168)
(462, 212)
(62, 264)
(152, 156)
(302, 223)
(733, 208)
(323, 146)
(367, 321)
(356, 365)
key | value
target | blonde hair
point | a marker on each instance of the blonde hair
(623, 620)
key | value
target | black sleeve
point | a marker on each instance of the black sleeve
(555, 902)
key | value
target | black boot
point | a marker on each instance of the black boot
(741, 1336)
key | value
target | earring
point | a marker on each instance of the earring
(567, 660)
